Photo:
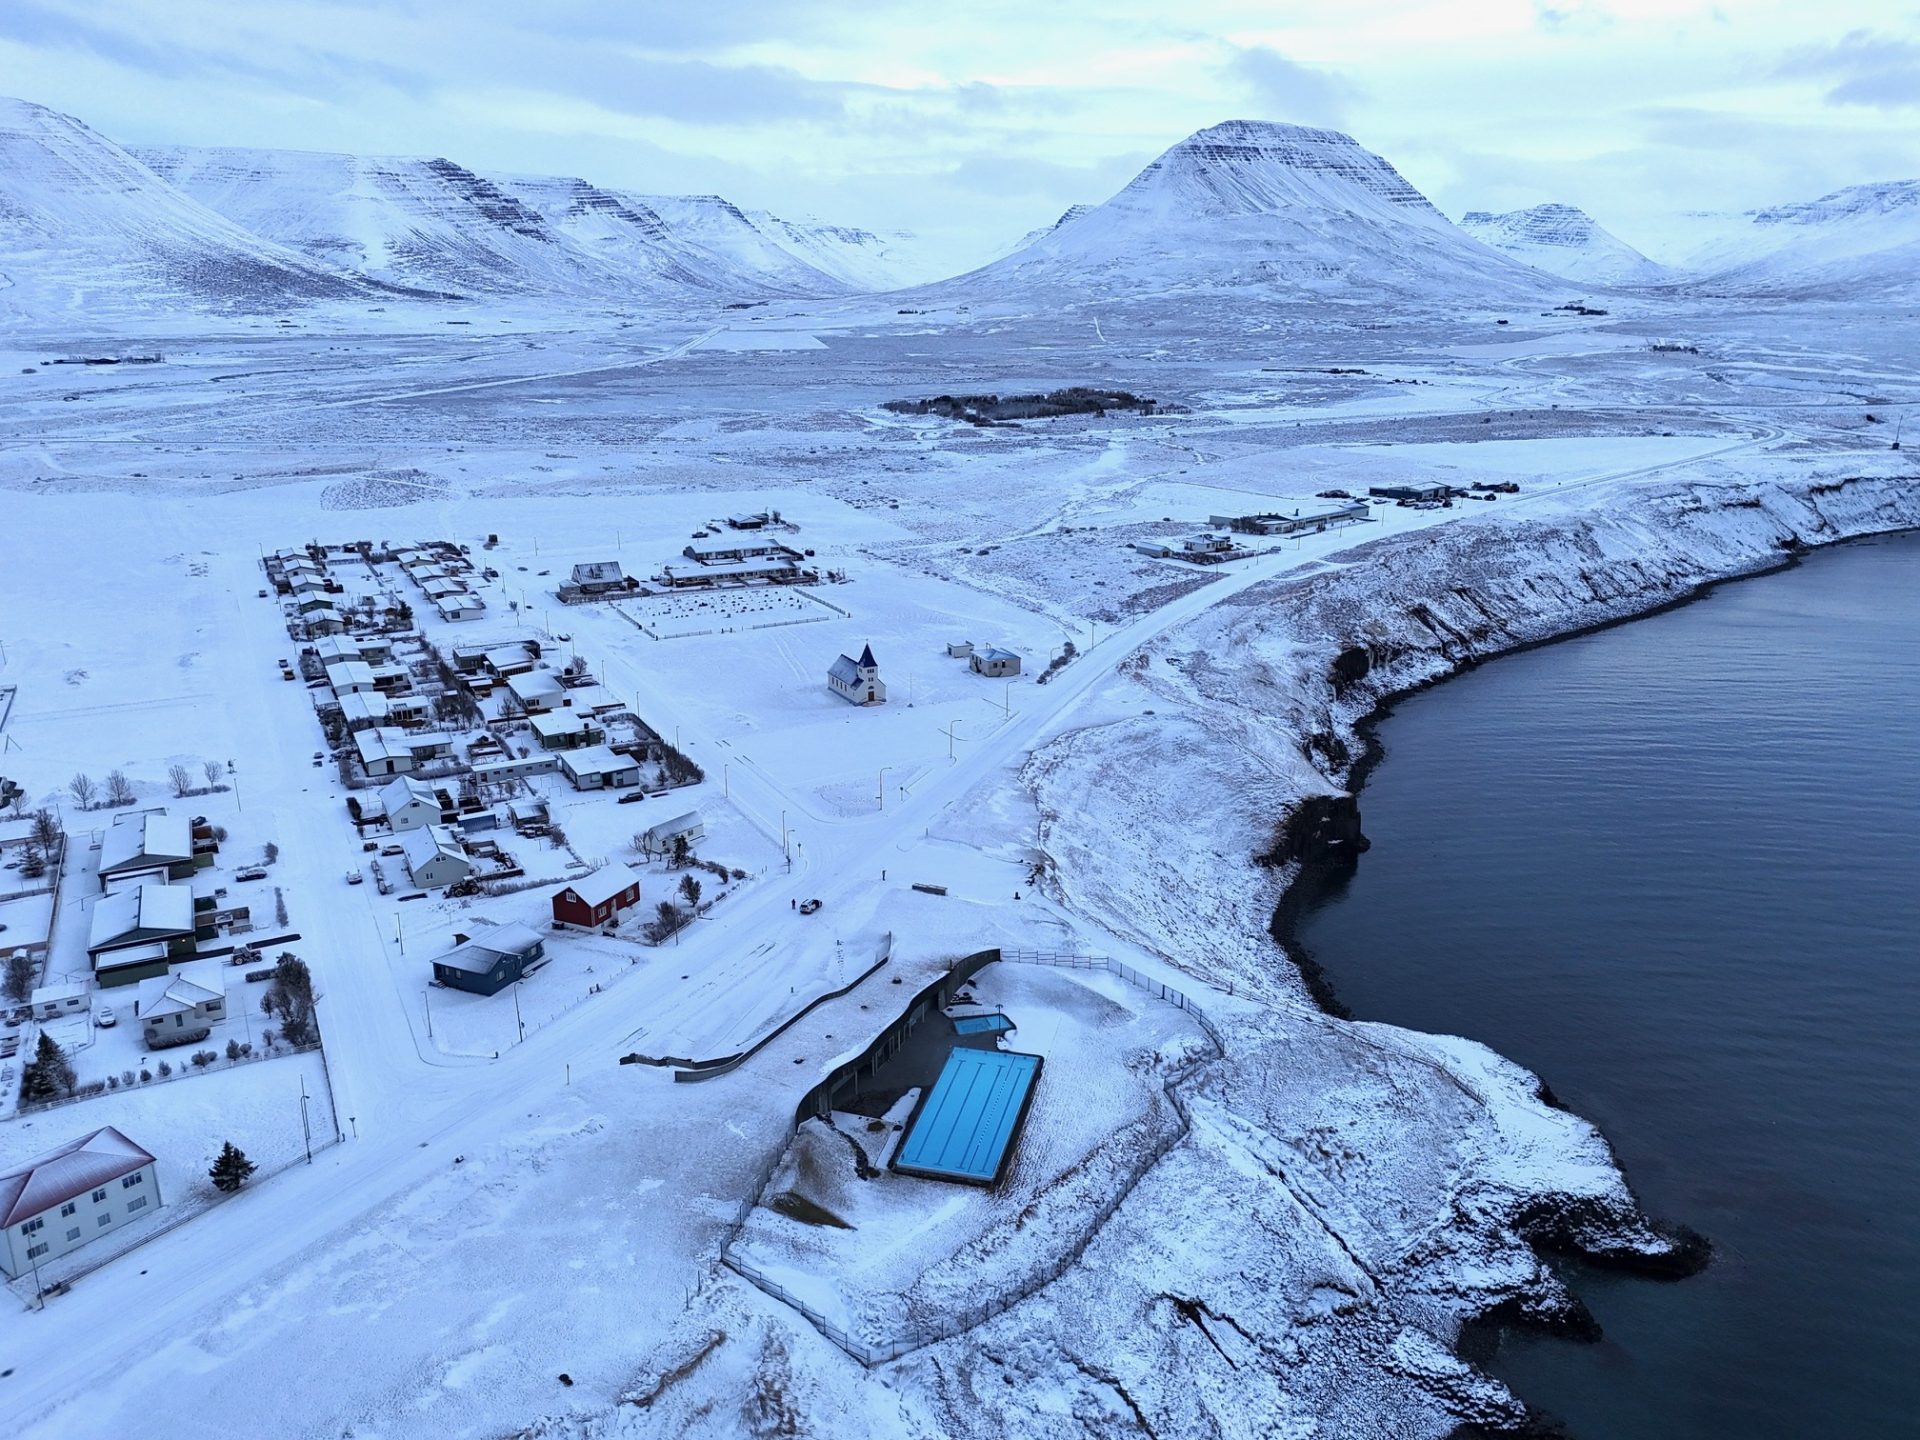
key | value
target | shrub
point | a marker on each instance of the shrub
(166, 1069)
(145, 1075)
(204, 1058)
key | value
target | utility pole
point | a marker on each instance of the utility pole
(426, 999)
(785, 853)
(883, 788)
(306, 1129)
(1006, 700)
(516, 1011)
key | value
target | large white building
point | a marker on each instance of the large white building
(51, 1206)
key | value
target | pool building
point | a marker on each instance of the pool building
(964, 1128)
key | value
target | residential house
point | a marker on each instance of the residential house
(537, 691)
(600, 577)
(89, 1187)
(782, 568)
(597, 899)
(725, 549)
(859, 680)
(564, 730)
(383, 751)
(595, 767)
(994, 662)
(139, 931)
(410, 804)
(155, 845)
(491, 960)
(350, 677)
(463, 606)
(435, 856)
(182, 1008)
(659, 839)
(51, 1002)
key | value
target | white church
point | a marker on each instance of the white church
(858, 681)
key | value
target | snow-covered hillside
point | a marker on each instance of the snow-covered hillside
(1265, 208)
(1565, 241)
(1864, 238)
(84, 225)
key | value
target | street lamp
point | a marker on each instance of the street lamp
(883, 787)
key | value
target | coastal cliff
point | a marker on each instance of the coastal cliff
(1425, 1178)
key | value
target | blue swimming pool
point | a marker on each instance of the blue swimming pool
(964, 1128)
(981, 1024)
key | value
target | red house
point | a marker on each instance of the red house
(597, 899)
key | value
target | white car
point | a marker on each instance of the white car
(103, 1017)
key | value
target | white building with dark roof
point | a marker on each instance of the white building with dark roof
(858, 681)
(89, 1187)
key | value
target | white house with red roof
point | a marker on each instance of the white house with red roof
(90, 1187)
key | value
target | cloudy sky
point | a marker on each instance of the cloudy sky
(973, 123)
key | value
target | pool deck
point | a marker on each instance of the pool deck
(966, 1126)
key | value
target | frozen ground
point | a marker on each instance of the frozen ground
(1340, 1197)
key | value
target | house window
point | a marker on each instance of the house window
(67, 1209)
(74, 1233)
(98, 1196)
(138, 1203)
(31, 1226)
(103, 1220)
(34, 1252)
(139, 1177)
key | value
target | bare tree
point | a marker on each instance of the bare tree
(181, 777)
(82, 788)
(46, 830)
(213, 770)
(119, 789)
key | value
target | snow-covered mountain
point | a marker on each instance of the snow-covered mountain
(863, 260)
(1864, 238)
(84, 225)
(1274, 209)
(1565, 241)
(427, 223)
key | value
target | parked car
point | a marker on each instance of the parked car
(808, 907)
(633, 795)
(392, 850)
(103, 1017)
(354, 877)
(254, 874)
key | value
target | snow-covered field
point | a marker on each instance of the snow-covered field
(1333, 1200)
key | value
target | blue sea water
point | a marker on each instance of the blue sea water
(1674, 867)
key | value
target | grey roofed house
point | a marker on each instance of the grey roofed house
(658, 839)
(493, 959)
(139, 914)
(434, 856)
(408, 803)
(182, 1007)
(994, 661)
(156, 841)
(599, 575)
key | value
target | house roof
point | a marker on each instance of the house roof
(380, 743)
(68, 1173)
(598, 572)
(428, 843)
(396, 794)
(595, 760)
(667, 829)
(349, 672)
(194, 986)
(534, 684)
(139, 842)
(365, 705)
(602, 885)
(165, 909)
(480, 954)
(866, 658)
(558, 722)
(994, 652)
(846, 670)
(458, 603)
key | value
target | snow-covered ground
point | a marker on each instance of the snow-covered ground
(1334, 1199)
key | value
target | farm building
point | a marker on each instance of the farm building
(491, 960)
(156, 845)
(778, 569)
(1426, 491)
(139, 931)
(435, 857)
(1348, 513)
(410, 804)
(731, 549)
(88, 1188)
(859, 680)
(753, 520)
(183, 1008)
(994, 662)
(597, 899)
(564, 730)
(595, 767)
(659, 839)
